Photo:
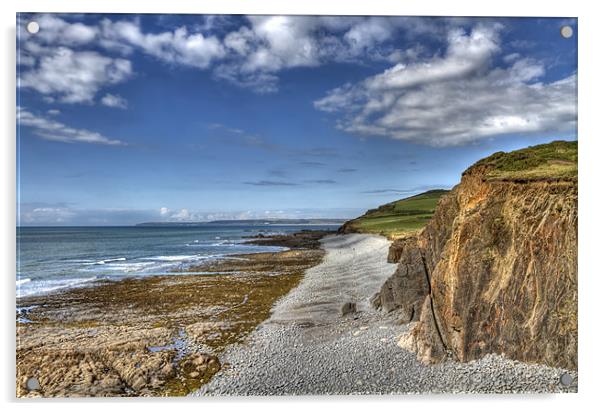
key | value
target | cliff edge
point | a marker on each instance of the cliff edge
(495, 268)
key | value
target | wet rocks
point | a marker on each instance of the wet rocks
(149, 336)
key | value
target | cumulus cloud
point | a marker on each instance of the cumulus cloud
(53, 130)
(178, 46)
(274, 43)
(74, 76)
(456, 98)
(249, 55)
(69, 61)
(113, 100)
(56, 31)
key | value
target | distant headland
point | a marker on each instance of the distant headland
(284, 221)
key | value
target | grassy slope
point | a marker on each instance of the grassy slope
(556, 160)
(399, 217)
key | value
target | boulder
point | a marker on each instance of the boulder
(348, 308)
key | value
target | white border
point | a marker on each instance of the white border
(590, 154)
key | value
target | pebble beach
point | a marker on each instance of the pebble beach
(308, 347)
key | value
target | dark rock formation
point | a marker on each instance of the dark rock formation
(405, 290)
(501, 260)
(395, 250)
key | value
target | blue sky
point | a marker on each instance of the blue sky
(132, 118)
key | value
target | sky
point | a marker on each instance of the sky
(125, 119)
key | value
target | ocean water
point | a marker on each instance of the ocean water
(56, 258)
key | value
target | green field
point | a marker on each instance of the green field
(556, 160)
(399, 217)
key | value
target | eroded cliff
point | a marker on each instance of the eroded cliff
(500, 261)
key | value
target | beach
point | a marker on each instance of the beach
(308, 346)
(294, 322)
(153, 335)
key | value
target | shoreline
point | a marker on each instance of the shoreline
(300, 239)
(155, 335)
(260, 324)
(309, 346)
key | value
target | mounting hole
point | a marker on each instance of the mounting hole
(33, 384)
(33, 27)
(566, 379)
(566, 32)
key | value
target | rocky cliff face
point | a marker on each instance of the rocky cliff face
(405, 291)
(494, 271)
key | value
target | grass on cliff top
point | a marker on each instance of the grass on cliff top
(399, 217)
(556, 160)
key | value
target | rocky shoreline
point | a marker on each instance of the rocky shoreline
(310, 347)
(157, 335)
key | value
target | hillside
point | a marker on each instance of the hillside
(495, 269)
(556, 160)
(397, 218)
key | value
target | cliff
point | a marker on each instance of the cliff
(495, 269)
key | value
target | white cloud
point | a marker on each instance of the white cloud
(368, 32)
(456, 98)
(252, 56)
(177, 47)
(53, 66)
(510, 58)
(49, 129)
(182, 215)
(164, 210)
(465, 55)
(74, 76)
(112, 100)
(249, 56)
(274, 43)
(283, 41)
(56, 31)
(45, 215)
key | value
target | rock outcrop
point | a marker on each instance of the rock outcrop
(500, 261)
(405, 290)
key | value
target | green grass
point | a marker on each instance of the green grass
(556, 160)
(399, 217)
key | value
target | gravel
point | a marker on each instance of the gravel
(308, 348)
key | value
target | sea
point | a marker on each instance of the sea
(51, 259)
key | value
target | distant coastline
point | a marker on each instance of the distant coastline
(284, 221)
